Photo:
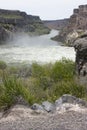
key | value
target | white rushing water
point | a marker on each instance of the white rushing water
(35, 49)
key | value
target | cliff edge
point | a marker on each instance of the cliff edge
(76, 27)
(12, 21)
(56, 24)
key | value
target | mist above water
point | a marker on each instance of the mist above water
(41, 49)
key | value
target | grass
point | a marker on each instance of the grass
(38, 82)
(11, 16)
(40, 29)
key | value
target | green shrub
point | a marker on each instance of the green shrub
(43, 82)
(63, 70)
(69, 87)
(2, 65)
(13, 88)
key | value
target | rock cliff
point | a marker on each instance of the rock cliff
(70, 114)
(56, 24)
(80, 46)
(77, 26)
(12, 21)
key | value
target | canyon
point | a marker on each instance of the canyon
(15, 21)
(56, 24)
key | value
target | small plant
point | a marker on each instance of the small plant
(2, 65)
(11, 89)
(63, 70)
(39, 82)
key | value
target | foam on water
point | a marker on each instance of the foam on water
(35, 49)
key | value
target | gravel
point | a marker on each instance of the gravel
(23, 118)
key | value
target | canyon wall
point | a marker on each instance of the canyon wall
(56, 24)
(12, 21)
(76, 27)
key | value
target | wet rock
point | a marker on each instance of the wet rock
(76, 26)
(65, 99)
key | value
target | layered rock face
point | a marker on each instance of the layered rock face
(56, 24)
(77, 26)
(16, 21)
(81, 55)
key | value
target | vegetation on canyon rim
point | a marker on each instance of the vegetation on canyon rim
(38, 82)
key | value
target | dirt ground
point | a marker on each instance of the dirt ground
(26, 119)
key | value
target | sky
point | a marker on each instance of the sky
(46, 9)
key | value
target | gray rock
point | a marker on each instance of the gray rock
(70, 100)
(58, 102)
(19, 22)
(80, 44)
(49, 107)
(36, 106)
(81, 102)
(1, 114)
(65, 99)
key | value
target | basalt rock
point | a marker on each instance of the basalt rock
(12, 21)
(80, 46)
(77, 25)
(70, 100)
(56, 24)
(49, 107)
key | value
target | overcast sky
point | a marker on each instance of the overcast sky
(46, 9)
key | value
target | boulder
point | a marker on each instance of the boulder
(80, 46)
(49, 107)
(70, 100)
(36, 106)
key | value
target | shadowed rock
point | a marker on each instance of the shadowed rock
(80, 46)
(36, 106)
(70, 100)
(49, 107)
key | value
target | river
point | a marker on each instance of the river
(39, 49)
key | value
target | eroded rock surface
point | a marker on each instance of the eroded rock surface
(13, 21)
(69, 115)
(81, 56)
(77, 25)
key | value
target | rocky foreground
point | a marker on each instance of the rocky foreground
(56, 24)
(70, 114)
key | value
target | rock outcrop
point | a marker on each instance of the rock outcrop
(77, 26)
(56, 24)
(64, 103)
(17, 21)
(80, 46)
(70, 114)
